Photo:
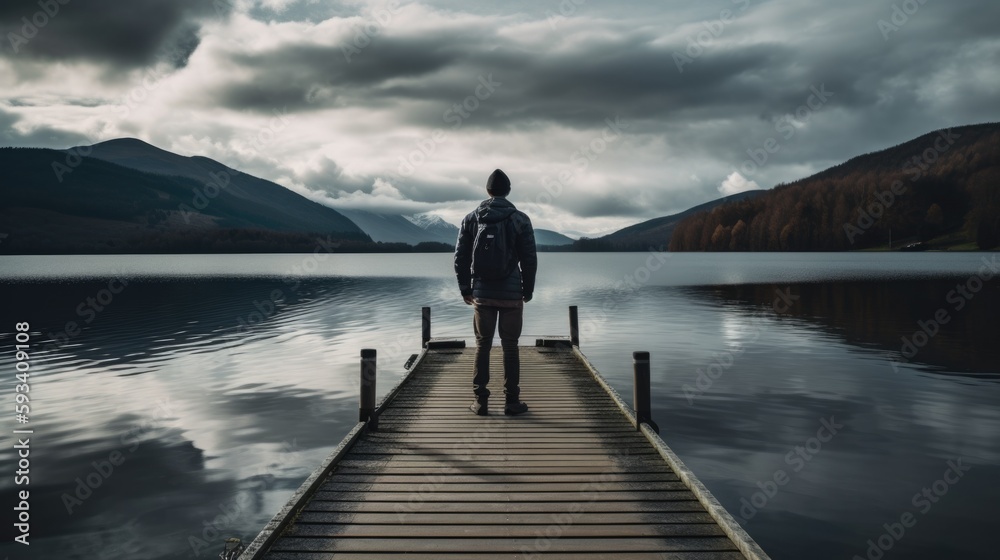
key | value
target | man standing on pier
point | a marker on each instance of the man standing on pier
(495, 261)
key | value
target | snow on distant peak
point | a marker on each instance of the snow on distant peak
(426, 220)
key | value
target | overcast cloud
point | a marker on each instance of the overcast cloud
(603, 114)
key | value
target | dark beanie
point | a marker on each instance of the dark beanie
(498, 184)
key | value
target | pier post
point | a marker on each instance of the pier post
(426, 330)
(367, 406)
(641, 395)
(574, 326)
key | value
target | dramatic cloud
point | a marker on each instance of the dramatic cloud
(118, 34)
(602, 114)
(736, 183)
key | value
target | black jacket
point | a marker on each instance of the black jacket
(520, 283)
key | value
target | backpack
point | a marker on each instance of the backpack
(492, 251)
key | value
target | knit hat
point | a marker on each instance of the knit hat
(498, 184)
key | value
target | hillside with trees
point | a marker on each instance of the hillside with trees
(655, 233)
(943, 185)
(92, 206)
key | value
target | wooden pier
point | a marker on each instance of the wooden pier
(577, 476)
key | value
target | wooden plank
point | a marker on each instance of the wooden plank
(488, 447)
(499, 478)
(572, 478)
(479, 497)
(408, 508)
(477, 518)
(474, 545)
(591, 455)
(446, 487)
(504, 531)
(596, 470)
(584, 438)
(689, 555)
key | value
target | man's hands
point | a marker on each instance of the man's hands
(467, 299)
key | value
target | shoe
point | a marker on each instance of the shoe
(479, 408)
(515, 408)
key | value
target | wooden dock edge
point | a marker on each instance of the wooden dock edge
(733, 530)
(288, 514)
(380, 407)
(743, 541)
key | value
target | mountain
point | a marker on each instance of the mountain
(940, 190)
(656, 232)
(54, 201)
(440, 230)
(427, 228)
(395, 228)
(282, 209)
(551, 238)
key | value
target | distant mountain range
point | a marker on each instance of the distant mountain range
(427, 228)
(129, 196)
(395, 228)
(126, 195)
(260, 202)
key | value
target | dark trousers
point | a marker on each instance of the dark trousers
(485, 321)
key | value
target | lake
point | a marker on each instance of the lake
(179, 400)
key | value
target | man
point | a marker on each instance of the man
(498, 297)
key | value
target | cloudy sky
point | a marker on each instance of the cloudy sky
(602, 113)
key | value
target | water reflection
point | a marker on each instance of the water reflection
(931, 322)
(219, 396)
(174, 403)
(834, 357)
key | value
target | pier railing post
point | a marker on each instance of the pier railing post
(367, 406)
(426, 329)
(641, 395)
(574, 326)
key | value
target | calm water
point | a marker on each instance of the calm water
(197, 393)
